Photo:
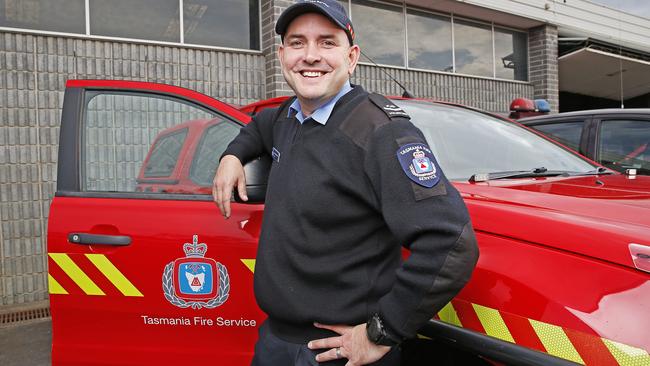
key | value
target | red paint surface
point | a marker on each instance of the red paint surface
(592, 350)
(552, 249)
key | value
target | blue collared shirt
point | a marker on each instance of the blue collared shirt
(322, 113)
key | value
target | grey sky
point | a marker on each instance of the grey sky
(637, 7)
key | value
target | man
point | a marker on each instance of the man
(351, 180)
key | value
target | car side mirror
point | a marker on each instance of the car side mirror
(257, 175)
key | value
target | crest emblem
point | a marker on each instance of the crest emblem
(194, 280)
(418, 164)
(421, 164)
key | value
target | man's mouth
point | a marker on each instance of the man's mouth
(311, 74)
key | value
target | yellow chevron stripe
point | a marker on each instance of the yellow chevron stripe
(627, 355)
(250, 264)
(448, 315)
(76, 274)
(493, 323)
(114, 275)
(556, 341)
(54, 286)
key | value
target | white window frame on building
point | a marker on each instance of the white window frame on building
(23, 9)
(453, 19)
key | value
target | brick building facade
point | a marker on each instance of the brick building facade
(34, 66)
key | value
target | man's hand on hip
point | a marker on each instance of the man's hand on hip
(230, 174)
(353, 344)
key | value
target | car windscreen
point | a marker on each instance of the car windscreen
(467, 142)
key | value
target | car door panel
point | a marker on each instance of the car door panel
(182, 287)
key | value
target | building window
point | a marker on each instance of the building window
(156, 20)
(385, 33)
(220, 23)
(48, 15)
(510, 54)
(423, 52)
(379, 30)
(226, 23)
(473, 48)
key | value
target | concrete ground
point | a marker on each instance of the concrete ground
(26, 344)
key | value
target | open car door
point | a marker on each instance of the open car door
(143, 269)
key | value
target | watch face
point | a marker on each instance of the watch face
(374, 329)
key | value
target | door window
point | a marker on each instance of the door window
(567, 133)
(625, 144)
(123, 131)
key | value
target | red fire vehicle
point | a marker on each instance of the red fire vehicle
(143, 270)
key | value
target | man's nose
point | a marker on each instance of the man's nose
(312, 54)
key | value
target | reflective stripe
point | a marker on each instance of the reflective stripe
(493, 323)
(250, 264)
(448, 315)
(54, 286)
(76, 274)
(569, 344)
(627, 355)
(114, 275)
(556, 341)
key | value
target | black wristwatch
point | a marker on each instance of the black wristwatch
(378, 334)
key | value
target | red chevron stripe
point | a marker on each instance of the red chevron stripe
(522, 332)
(467, 315)
(591, 348)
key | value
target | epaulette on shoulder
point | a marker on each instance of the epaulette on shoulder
(388, 107)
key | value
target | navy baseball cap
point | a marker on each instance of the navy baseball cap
(332, 9)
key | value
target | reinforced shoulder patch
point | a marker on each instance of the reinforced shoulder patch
(388, 107)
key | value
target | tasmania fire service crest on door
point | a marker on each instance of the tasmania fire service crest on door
(194, 280)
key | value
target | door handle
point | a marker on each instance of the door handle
(97, 239)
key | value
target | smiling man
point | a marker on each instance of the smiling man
(351, 181)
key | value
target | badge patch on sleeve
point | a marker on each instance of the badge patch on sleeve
(418, 163)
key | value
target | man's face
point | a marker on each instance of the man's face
(316, 59)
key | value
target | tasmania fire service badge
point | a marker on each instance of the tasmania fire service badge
(418, 164)
(194, 280)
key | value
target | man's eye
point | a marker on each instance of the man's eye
(329, 43)
(295, 43)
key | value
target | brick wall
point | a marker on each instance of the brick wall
(34, 69)
(275, 84)
(542, 50)
(33, 72)
(486, 94)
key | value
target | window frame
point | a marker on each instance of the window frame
(405, 48)
(452, 18)
(88, 35)
(88, 95)
(451, 27)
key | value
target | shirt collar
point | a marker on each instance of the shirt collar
(322, 113)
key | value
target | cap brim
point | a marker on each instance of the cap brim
(298, 9)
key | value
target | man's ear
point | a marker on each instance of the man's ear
(353, 58)
(280, 52)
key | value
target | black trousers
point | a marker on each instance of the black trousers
(273, 351)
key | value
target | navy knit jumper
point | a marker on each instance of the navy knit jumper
(338, 209)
